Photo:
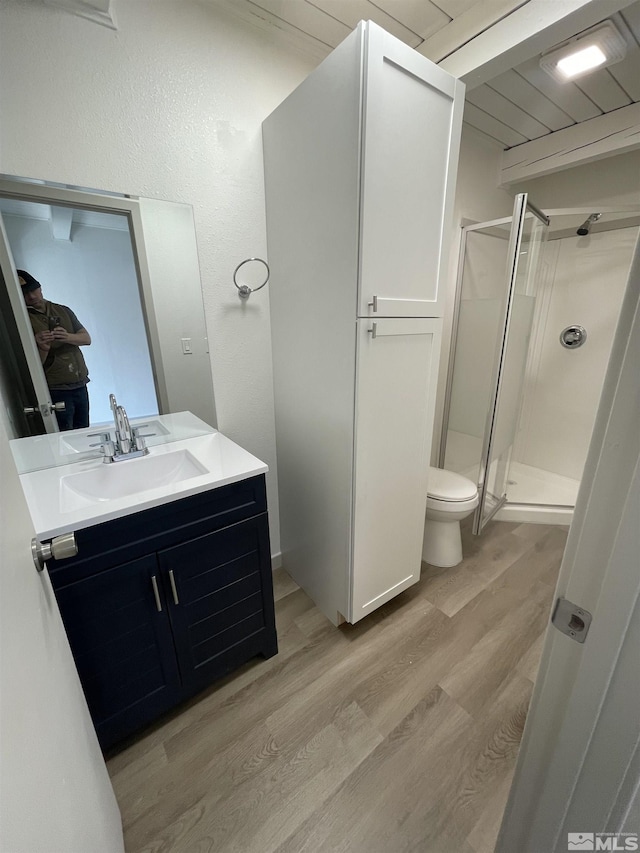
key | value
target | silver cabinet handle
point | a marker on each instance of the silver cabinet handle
(156, 593)
(61, 548)
(173, 587)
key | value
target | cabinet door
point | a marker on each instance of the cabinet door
(397, 370)
(220, 599)
(411, 136)
(122, 646)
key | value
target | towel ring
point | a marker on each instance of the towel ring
(244, 291)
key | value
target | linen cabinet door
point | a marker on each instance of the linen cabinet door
(395, 398)
(220, 596)
(119, 633)
(411, 136)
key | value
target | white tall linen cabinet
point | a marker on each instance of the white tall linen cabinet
(360, 165)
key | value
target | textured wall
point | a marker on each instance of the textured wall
(169, 106)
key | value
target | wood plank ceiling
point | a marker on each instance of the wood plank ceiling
(526, 103)
(520, 105)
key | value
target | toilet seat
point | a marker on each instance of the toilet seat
(447, 486)
(434, 504)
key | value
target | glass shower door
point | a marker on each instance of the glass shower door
(528, 232)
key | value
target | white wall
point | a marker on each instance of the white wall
(615, 180)
(478, 199)
(94, 274)
(55, 793)
(585, 286)
(169, 106)
(586, 279)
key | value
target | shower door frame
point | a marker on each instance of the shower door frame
(551, 213)
(521, 207)
(478, 226)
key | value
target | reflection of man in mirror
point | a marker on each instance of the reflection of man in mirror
(59, 335)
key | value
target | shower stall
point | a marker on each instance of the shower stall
(536, 308)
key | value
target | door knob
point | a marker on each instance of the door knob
(45, 409)
(60, 548)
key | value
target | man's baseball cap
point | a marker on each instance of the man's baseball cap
(30, 283)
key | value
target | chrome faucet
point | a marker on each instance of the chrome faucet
(128, 442)
(123, 429)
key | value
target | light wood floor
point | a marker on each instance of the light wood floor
(396, 734)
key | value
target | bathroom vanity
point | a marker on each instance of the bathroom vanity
(171, 587)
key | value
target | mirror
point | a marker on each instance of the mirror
(84, 260)
(128, 268)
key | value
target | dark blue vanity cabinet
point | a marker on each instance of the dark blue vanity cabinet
(159, 604)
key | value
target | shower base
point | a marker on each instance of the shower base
(538, 496)
(533, 495)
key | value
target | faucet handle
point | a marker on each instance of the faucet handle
(139, 440)
(108, 451)
(140, 444)
(106, 446)
(137, 434)
(103, 436)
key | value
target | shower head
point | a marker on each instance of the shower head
(584, 229)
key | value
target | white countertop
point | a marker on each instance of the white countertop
(55, 508)
(64, 448)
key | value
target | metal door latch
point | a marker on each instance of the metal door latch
(572, 620)
(60, 548)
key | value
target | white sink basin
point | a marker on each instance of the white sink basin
(107, 482)
(87, 492)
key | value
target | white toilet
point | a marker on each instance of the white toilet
(451, 497)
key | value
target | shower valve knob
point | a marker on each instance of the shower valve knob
(573, 336)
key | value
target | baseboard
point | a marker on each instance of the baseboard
(276, 561)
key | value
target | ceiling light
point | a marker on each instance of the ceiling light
(598, 47)
(583, 60)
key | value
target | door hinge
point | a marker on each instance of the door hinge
(572, 620)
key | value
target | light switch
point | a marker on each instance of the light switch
(186, 346)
